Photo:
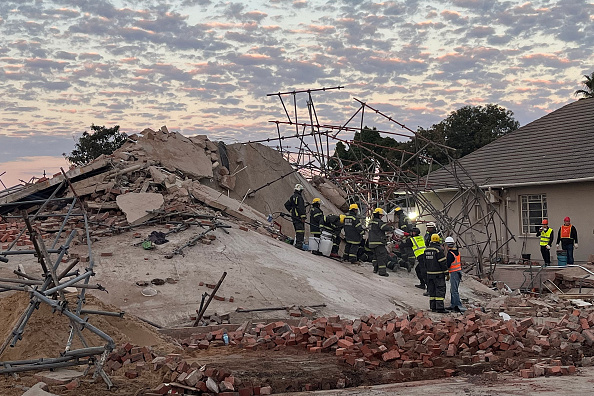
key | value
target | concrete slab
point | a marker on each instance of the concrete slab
(136, 205)
(39, 389)
(58, 377)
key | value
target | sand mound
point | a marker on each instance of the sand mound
(47, 332)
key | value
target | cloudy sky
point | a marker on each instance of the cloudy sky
(206, 66)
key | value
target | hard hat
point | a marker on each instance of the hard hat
(378, 210)
(435, 238)
(298, 187)
(431, 224)
(567, 219)
(450, 240)
(316, 200)
(342, 218)
(398, 209)
(545, 222)
(354, 206)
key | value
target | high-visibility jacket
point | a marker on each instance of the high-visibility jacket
(545, 237)
(418, 245)
(456, 264)
(566, 231)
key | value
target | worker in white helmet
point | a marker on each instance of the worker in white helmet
(455, 274)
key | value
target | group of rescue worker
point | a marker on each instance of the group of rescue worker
(435, 262)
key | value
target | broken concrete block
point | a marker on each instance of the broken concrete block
(227, 182)
(157, 175)
(58, 377)
(39, 389)
(136, 205)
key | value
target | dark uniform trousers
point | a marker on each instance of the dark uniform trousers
(421, 270)
(436, 286)
(299, 232)
(380, 259)
(351, 251)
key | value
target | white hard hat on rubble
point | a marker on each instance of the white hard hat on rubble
(298, 187)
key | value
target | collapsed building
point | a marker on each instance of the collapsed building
(222, 204)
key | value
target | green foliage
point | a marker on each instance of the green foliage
(468, 129)
(588, 91)
(100, 141)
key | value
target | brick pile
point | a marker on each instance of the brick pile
(416, 341)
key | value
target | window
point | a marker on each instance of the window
(534, 210)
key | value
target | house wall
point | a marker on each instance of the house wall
(568, 199)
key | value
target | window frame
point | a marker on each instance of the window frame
(533, 199)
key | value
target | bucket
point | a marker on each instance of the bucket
(326, 235)
(314, 243)
(325, 247)
(561, 258)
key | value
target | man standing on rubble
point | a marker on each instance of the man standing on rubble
(437, 273)
(296, 207)
(333, 224)
(454, 264)
(418, 247)
(353, 234)
(546, 241)
(316, 216)
(568, 238)
(377, 242)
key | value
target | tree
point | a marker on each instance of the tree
(466, 130)
(100, 141)
(588, 91)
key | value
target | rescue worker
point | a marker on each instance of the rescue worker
(455, 271)
(568, 238)
(403, 222)
(437, 273)
(316, 216)
(377, 241)
(333, 224)
(418, 247)
(353, 234)
(404, 247)
(431, 229)
(296, 207)
(546, 241)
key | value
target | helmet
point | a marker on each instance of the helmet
(450, 240)
(298, 187)
(316, 200)
(378, 210)
(567, 219)
(342, 218)
(545, 222)
(354, 206)
(398, 209)
(416, 230)
(431, 224)
(435, 238)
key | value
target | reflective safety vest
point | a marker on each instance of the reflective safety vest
(545, 236)
(566, 231)
(418, 245)
(457, 264)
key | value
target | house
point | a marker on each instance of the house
(543, 170)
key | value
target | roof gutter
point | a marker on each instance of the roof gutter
(524, 184)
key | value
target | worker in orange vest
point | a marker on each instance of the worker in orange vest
(568, 238)
(455, 274)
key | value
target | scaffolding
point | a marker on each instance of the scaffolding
(50, 287)
(465, 210)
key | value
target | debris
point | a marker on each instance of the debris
(136, 206)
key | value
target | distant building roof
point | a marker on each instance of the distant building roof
(557, 148)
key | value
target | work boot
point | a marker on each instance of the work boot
(334, 255)
(426, 294)
(440, 311)
(420, 286)
(459, 309)
(384, 274)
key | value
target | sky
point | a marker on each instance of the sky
(206, 66)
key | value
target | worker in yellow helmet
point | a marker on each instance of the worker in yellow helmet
(437, 269)
(316, 215)
(333, 224)
(377, 241)
(353, 234)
